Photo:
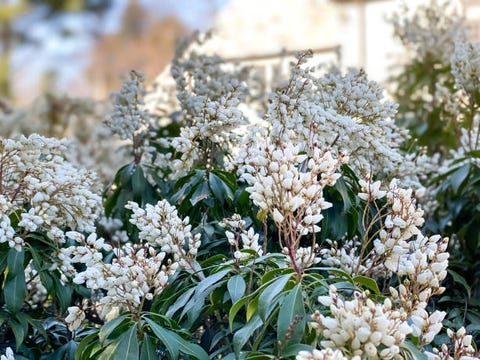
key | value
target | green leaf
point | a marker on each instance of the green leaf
(201, 193)
(65, 352)
(367, 283)
(63, 292)
(83, 349)
(211, 280)
(291, 318)
(412, 352)
(18, 332)
(14, 291)
(175, 343)
(230, 179)
(235, 308)
(191, 181)
(44, 274)
(265, 299)
(242, 335)
(236, 287)
(148, 350)
(473, 153)
(138, 182)
(165, 337)
(461, 280)
(125, 347)
(180, 302)
(342, 189)
(192, 349)
(15, 261)
(294, 349)
(219, 189)
(3, 260)
(458, 177)
(109, 326)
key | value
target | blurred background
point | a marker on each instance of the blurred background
(85, 47)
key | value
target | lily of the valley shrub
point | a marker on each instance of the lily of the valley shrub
(439, 103)
(294, 232)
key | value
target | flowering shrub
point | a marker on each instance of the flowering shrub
(439, 103)
(298, 235)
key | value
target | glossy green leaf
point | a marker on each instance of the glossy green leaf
(412, 352)
(191, 182)
(219, 189)
(291, 318)
(180, 302)
(367, 283)
(175, 343)
(269, 293)
(192, 349)
(458, 177)
(236, 287)
(460, 280)
(245, 333)
(64, 293)
(201, 193)
(125, 347)
(166, 337)
(148, 350)
(65, 352)
(15, 261)
(83, 349)
(14, 291)
(236, 308)
(110, 326)
(18, 332)
(211, 281)
(3, 260)
(139, 182)
(293, 350)
(44, 274)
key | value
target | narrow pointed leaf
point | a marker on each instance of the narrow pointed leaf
(126, 347)
(266, 298)
(291, 318)
(236, 287)
(148, 351)
(245, 333)
(109, 326)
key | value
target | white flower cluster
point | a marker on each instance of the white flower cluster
(45, 191)
(161, 227)
(128, 119)
(209, 96)
(112, 227)
(344, 256)
(342, 113)
(289, 187)
(424, 325)
(137, 272)
(240, 238)
(91, 144)
(354, 95)
(465, 63)
(361, 327)
(420, 262)
(430, 31)
(8, 355)
(74, 318)
(324, 354)
(402, 249)
(461, 347)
